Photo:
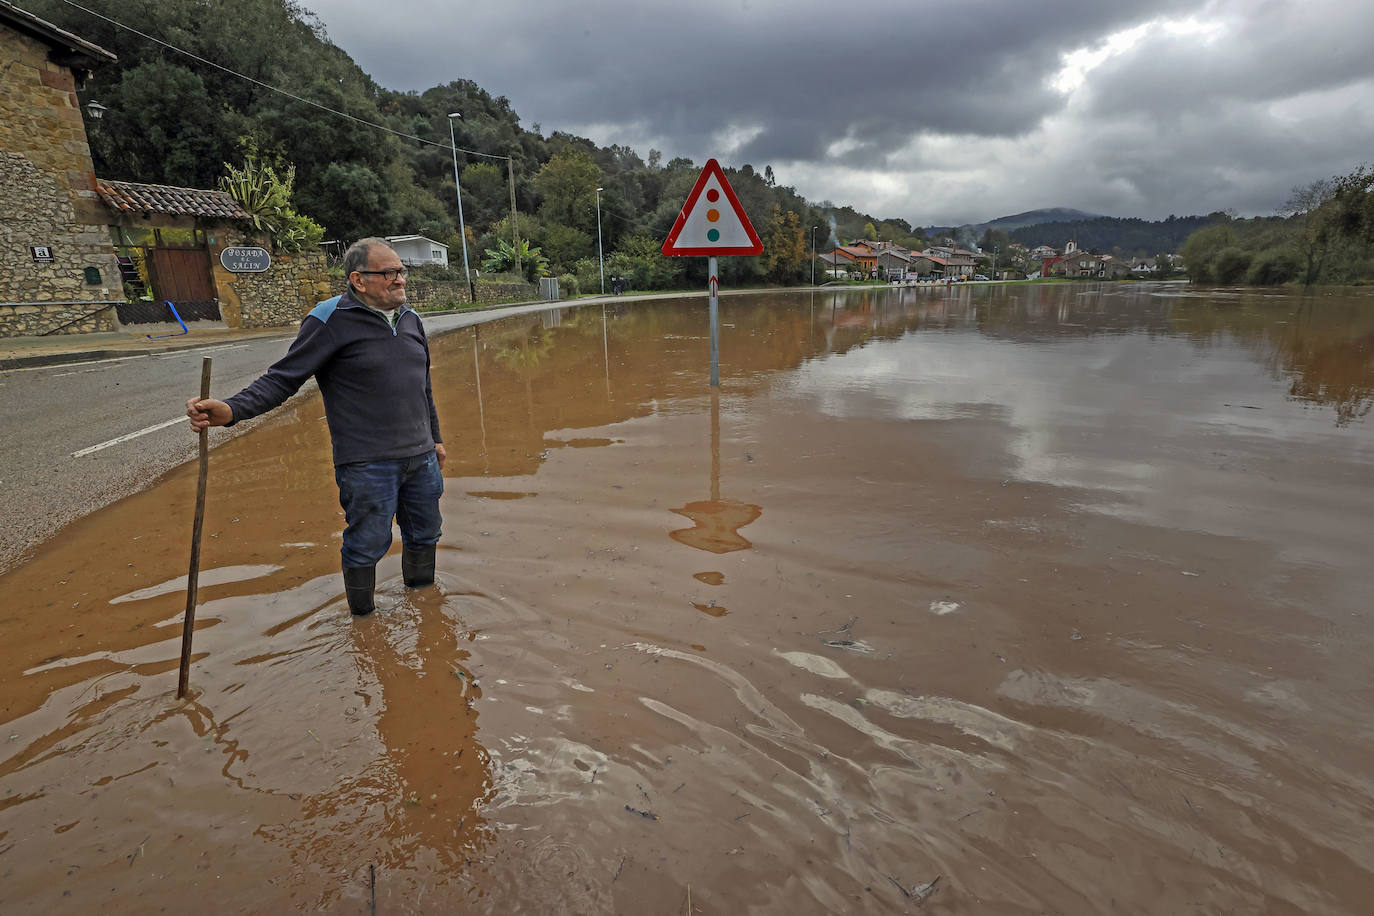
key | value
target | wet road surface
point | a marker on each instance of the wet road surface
(1058, 595)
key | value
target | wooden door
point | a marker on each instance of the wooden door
(181, 274)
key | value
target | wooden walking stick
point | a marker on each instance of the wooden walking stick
(193, 576)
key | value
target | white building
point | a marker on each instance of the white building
(416, 250)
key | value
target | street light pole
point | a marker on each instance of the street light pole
(462, 231)
(600, 258)
(995, 250)
(813, 255)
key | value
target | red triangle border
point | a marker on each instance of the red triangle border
(712, 167)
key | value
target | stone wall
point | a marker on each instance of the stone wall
(493, 291)
(437, 294)
(278, 297)
(47, 319)
(48, 198)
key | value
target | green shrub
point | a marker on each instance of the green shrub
(1274, 267)
(1200, 250)
(568, 287)
(1230, 265)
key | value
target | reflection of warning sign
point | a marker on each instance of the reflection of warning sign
(712, 222)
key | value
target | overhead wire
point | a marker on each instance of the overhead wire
(279, 91)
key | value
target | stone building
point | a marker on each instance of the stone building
(172, 239)
(58, 272)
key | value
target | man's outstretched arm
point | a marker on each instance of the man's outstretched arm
(208, 412)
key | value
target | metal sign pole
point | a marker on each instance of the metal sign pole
(715, 322)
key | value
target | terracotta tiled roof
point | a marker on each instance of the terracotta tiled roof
(132, 197)
(51, 35)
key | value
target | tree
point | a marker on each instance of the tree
(784, 246)
(1307, 208)
(563, 245)
(484, 194)
(1353, 205)
(994, 238)
(1201, 249)
(169, 130)
(1274, 267)
(567, 183)
(1230, 265)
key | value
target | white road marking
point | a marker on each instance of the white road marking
(89, 362)
(134, 435)
(182, 353)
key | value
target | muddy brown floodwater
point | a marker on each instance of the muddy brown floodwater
(1042, 600)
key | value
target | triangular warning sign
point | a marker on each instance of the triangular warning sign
(712, 222)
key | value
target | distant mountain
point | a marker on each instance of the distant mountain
(1035, 218)
(1020, 220)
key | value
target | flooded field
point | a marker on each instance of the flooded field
(985, 600)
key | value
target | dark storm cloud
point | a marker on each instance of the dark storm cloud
(809, 73)
(940, 112)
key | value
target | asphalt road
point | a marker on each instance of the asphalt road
(58, 426)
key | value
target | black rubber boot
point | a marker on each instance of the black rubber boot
(358, 584)
(417, 566)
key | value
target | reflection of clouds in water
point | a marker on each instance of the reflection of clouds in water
(1164, 432)
(206, 578)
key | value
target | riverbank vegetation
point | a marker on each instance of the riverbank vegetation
(1323, 235)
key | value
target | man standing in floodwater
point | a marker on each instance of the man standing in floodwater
(368, 351)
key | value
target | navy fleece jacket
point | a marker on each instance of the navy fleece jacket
(374, 378)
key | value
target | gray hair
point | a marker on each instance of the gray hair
(356, 257)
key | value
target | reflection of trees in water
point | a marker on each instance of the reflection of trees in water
(1335, 372)
(523, 356)
(1324, 345)
(417, 806)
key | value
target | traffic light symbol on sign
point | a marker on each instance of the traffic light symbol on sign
(712, 222)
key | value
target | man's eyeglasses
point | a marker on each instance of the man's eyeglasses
(390, 274)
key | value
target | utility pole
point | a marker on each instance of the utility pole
(514, 229)
(600, 258)
(462, 232)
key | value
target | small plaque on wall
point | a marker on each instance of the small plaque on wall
(245, 260)
(42, 254)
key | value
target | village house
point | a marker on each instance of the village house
(1076, 263)
(928, 265)
(893, 262)
(417, 251)
(860, 258)
(58, 273)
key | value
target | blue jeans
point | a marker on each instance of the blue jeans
(372, 493)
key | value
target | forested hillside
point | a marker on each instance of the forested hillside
(1114, 235)
(176, 120)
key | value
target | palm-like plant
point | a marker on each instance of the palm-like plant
(502, 259)
(266, 197)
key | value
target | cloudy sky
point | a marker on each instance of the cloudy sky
(934, 112)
